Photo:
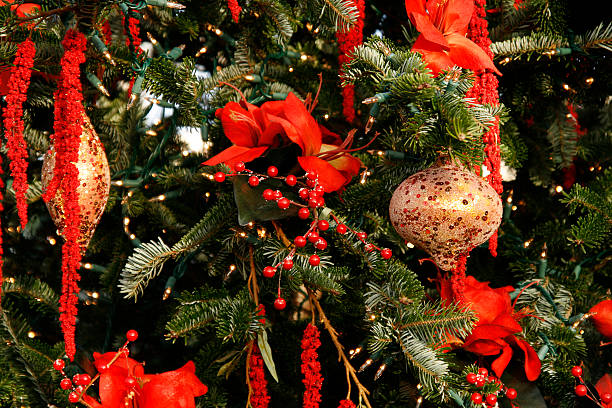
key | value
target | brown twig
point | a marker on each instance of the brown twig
(363, 391)
(46, 14)
(252, 282)
(248, 368)
(281, 234)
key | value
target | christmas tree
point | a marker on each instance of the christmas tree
(335, 203)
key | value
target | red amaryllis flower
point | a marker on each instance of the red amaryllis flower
(250, 130)
(332, 163)
(497, 325)
(442, 42)
(172, 389)
(604, 386)
(601, 315)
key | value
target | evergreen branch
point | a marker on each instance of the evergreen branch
(429, 367)
(434, 322)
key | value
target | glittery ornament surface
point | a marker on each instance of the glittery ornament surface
(93, 189)
(445, 211)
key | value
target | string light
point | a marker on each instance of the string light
(326, 116)
(589, 81)
(372, 317)
(151, 132)
(95, 295)
(167, 293)
(365, 365)
(355, 351)
(505, 61)
(380, 371)
(303, 57)
(369, 124)
(290, 69)
(261, 232)
(201, 51)
(52, 241)
(527, 243)
(559, 189)
(410, 245)
(566, 87)
(419, 402)
(32, 334)
(185, 153)
(117, 183)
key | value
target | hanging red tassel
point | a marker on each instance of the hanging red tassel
(134, 37)
(235, 9)
(259, 397)
(311, 368)
(458, 277)
(13, 124)
(346, 404)
(346, 42)
(106, 32)
(485, 91)
(67, 128)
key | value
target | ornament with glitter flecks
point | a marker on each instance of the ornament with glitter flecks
(446, 211)
(94, 184)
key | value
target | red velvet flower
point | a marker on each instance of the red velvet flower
(333, 165)
(442, 42)
(250, 130)
(497, 325)
(601, 315)
(172, 389)
(604, 386)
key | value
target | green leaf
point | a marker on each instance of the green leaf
(251, 205)
(227, 368)
(266, 353)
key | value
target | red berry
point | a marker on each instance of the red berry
(471, 378)
(479, 382)
(66, 384)
(219, 177)
(268, 194)
(320, 202)
(511, 393)
(272, 171)
(314, 260)
(311, 183)
(280, 303)
(239, 166)
(253, 181)
(132, 335)
(73, 397)
(130, 382)
(321, 244)
(483, 371)
(313, 202)
(288, 263)
(303, 193)
(313, 194)
(59, 364)
(323, 225)
(576, 371)
(304, 213)
(362, 236)
(269, 271)
(76, 379)
(313, 236)
(291, 180)
(341, 229)
(278, 194)
(581, 390)
(476, 398)
(491, 399)
(85, 379)
(102, 368)
(283, 203)
(311, 175)
(368, 247)
(319, 189)
(606, 398)
(386, 254)
(300, 241)
(491, 379)
(80, 389)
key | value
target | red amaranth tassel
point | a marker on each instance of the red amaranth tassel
(17, 151)
(311, 368)
(134, 27)
(259, 397)
(235, 9)
(485, 91)
(106, 32)
(67, 128)
(346, 404)
(458, 277)
(346, 42)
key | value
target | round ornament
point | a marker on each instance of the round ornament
(446, 211)
(93, 189)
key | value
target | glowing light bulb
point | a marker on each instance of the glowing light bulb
(559, 189)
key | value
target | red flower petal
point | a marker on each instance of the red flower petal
(602, 317)
(172, 389)
(488, 332)
(92, 402)
(296, 113)
(330, 178)
(501, 362)
(112, 388)
(467, 54)
(234, 154)
(456, 17)
(239, 125)
(508, 322)
(484, 347)
(533, 365)
(603, 386)
(424, 25)
(436, 58)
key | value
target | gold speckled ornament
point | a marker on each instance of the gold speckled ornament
(445, 211)
(93, 189)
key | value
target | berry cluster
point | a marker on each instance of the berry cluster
(482, 378)
(582, 390)
(81, 382)
(311, 192)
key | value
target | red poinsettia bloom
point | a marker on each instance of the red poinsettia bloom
(497, 325)
(443, 24)
(251, 131)
(604, 386)
(330, 161)
(601, 315)
(172, 389)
